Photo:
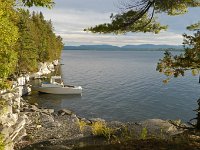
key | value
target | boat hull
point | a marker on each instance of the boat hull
(58, 90)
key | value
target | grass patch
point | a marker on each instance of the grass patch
(144, 134)
(82, 124)
(100, 129)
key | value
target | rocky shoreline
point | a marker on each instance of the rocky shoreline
(12, 118)
(46, 129)
(25, 126)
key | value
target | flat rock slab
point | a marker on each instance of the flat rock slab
(160, 126)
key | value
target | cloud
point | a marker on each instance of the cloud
(120, 40)
(84, 5)
(70, 17)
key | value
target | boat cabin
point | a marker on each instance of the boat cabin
(56, 79)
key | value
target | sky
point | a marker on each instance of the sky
(71, 17)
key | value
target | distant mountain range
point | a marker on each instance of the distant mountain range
(126, 47)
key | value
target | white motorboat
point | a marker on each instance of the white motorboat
(56, 86)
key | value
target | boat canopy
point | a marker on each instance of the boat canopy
(56, 79)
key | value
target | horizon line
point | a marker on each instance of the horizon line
(123, 45)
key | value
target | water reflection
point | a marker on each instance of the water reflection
(51, 100)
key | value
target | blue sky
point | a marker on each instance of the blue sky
(70, 17)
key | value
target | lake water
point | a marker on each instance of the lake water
(124, 86)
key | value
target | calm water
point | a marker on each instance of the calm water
(122, 86)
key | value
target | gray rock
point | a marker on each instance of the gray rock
(7, 96)
(16, 110)
(31, 108)
(47, 111)
(88, 122)
(63, 112)
(16, 102)
(6, 131)
(57, 147)
(158, 126)
(97, 120)
(9, 144)
(9, 119)
(87, 131)
(18, 127)
(74, 118)
(36, 104)
(51, 124)
(20, 135)
(46, 120)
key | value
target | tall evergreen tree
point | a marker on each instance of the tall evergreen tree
(8, 38)
(26, 45)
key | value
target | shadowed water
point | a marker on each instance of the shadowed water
(122, 85)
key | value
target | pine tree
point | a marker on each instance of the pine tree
(26, 47)
(140, 16)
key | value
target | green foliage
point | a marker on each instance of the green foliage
(127, 133)
(194, 27)
(139, 16)
(25, 39)
(42, 3)
(48, 45)
(100, 129)
(8, 62)
(144, 134)
(26, 45)
(2, 144)
(175, 7)
(174, 66)
(82, 124)
(3, 106)
(119, 25)
(8, 37)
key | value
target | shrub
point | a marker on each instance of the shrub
(100, 129)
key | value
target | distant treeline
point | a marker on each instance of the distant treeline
(25, 40)
(142, 47)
